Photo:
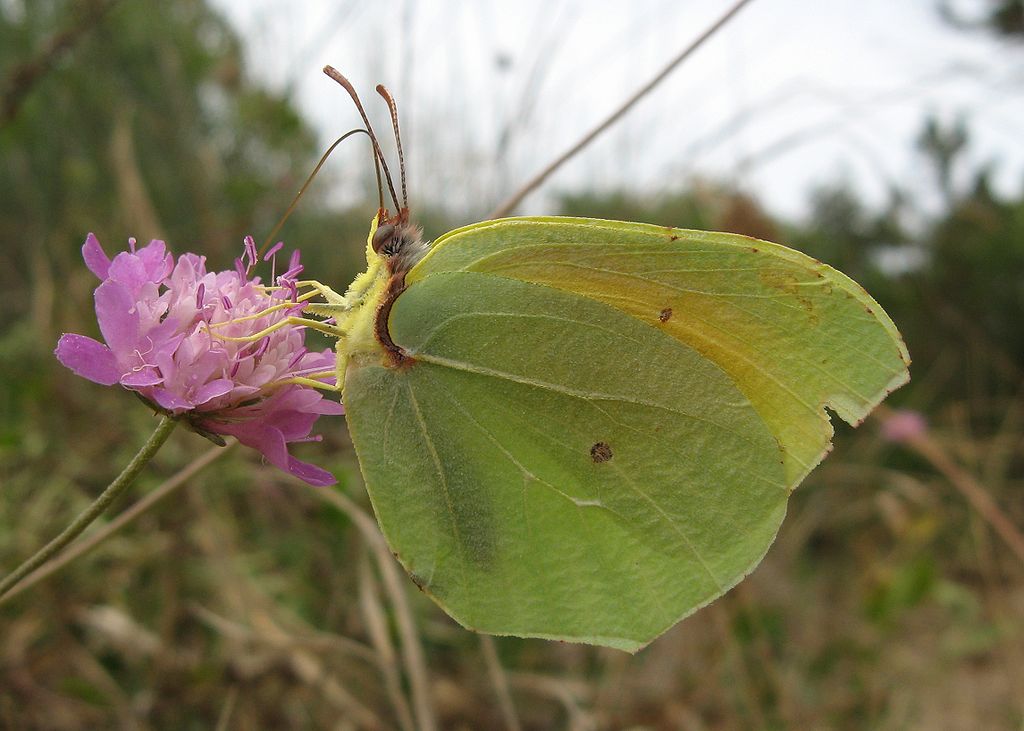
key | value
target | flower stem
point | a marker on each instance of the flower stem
(113, 491)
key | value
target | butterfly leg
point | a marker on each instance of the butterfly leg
(323, 290)
(312, 382)
(326, 328)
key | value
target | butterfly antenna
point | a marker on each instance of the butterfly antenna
(347, 86)
(302, 190)
(393, 108)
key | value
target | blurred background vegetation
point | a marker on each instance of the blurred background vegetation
(888, 601)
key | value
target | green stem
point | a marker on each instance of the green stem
(113, 491)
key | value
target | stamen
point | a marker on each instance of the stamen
(291, 288)
(263, 347)
(295, 268)
(200, 292)
(250, 253)
(273, 250)
(299, 355)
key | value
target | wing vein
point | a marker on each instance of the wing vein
(565, 390)
(442, 478)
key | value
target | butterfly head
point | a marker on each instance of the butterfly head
(397, 241)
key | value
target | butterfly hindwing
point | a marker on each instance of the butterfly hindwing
(548, 465)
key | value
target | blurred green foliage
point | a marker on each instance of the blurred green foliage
(885, 604)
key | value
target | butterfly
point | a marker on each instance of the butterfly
(585, 430)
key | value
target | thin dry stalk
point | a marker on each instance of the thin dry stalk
(311, 671)
(228, 709)
(412, 649)
(320, 642)
(568, 693)
(509, 205)
(306, 666)
(374, 615)
(500, 681)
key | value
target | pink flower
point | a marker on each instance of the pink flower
(165, 325)
(904, 425)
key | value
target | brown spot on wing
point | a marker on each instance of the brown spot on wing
(600, 452)
(665, 314)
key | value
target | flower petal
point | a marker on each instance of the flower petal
(170, 401)
(327, 407)
(118, 318)
(129, 270)
(310, 473)
(88, 358)
(146, 376)
(154, 260)
(212, 390)
(95, 257)
(271, 444)
(266, 440)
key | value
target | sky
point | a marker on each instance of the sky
(790, 96)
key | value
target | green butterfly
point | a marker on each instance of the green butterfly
(585, 430)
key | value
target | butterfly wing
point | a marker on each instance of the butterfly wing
(794, 334)
(560, 457)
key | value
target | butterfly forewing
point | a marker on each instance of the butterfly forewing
(794, 334)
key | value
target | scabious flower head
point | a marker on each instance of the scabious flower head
(169, 329)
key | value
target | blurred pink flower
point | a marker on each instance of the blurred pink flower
(904, 425)
(164, 326)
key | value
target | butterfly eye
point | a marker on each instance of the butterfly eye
(382, 235)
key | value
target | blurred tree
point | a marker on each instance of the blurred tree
(977, 267)
(141, 123)
(942, 144)
(845, 233)
(703, 204)
(121, 118)
(1002, 17)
